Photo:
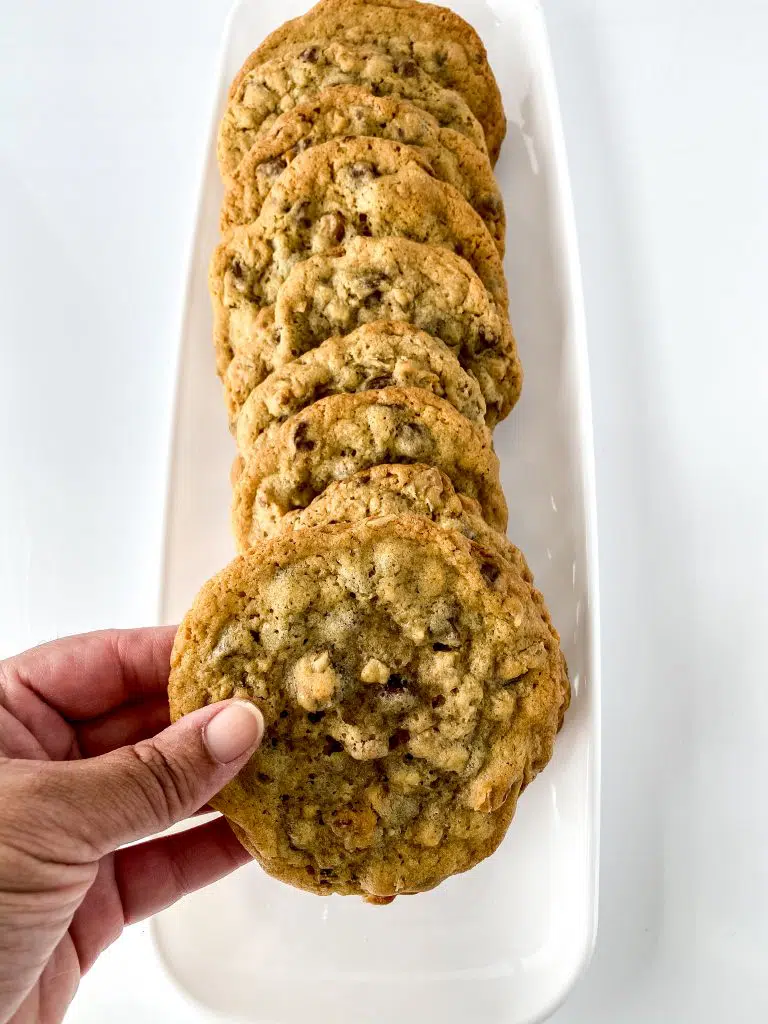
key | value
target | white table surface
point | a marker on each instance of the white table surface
(665, 105)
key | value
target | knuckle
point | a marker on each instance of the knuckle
(165, 783)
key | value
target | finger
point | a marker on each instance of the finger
(127, 724)
(153, 875)
(148, 878)
(137, 791)
(16, 740)
(85, 676)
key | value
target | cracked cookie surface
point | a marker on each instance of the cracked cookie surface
(410, 687)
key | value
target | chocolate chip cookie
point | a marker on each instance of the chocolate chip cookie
(300, 72)
(410, 688)
(379, 279)
(377, 355)
(353, 111)
(431, 38)
(294, 461)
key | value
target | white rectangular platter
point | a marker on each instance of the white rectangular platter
(505, 942)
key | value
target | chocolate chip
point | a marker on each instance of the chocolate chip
(273, 168)
(409, 69)
(332, 746)
(440, 647)
(482, 341)
(255, 635)
(311, 55)
(438, 701)
(372, 299)
(379, 382)
(489, 207)
(372, 279)
(237, 269)
(300, 440)
(361, 170)
(399, 738)
(490, 572)
(395, 684)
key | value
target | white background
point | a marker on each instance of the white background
(665, 102)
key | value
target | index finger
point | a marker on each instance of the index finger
(90, 674)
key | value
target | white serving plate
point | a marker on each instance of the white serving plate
(505, 942)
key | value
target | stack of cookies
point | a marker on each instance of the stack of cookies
(409, 674)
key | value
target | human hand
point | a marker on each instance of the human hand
(84, 769)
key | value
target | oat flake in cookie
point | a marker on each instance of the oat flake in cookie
(410, 687)
(294, 461)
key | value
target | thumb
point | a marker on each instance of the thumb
(136, 791)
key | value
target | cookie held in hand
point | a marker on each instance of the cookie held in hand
(411, 688)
